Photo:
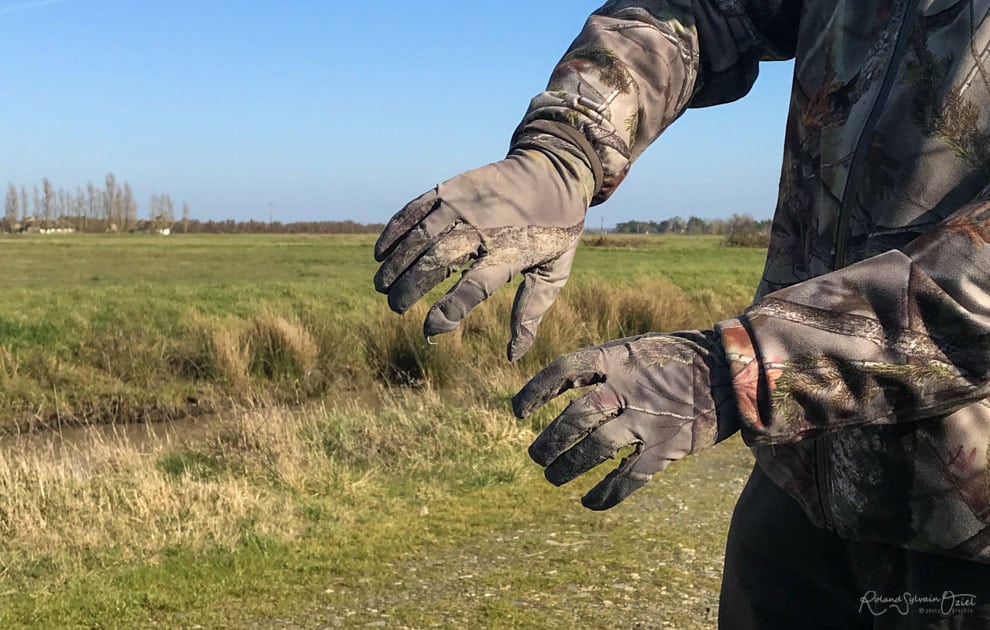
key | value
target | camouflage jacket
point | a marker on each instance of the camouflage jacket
(862, 369)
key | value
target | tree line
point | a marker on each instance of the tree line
(740, 230)
(277, 227)
(113, 208)
(694, 225)
(109, 208)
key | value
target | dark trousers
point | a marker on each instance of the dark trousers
(781, 571)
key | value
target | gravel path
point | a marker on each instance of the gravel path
(653, 562)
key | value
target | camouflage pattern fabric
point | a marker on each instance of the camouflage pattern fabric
(874, 414)
(524, 214)
(667, 395)
(862, 388)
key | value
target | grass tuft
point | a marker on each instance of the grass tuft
(282, 348)
(397, 353)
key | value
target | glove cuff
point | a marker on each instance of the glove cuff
(534, 135)
(744, 371)
(715, 410)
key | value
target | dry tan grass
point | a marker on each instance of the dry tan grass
(620, 240)
(103, 491)
(232, 350)
(396, 353)
(283, 346)
(604, 311)
(586, 313)
(231, 355)
(63, 499)
(9, 363)
(215, 349)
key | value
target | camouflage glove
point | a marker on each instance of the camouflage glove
(667, 395)
(524, 214)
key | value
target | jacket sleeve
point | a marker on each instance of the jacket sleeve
(900, 337)
(638, 64)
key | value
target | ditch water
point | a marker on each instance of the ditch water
(83, 449)
(135, 434)
(86, 448)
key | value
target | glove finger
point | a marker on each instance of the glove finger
(633, 473)
(537, 292)
(476, 285)
(440, 221)
(404, 221)
(577, 369)
(580, 421)
(433, 267)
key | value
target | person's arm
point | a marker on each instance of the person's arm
(634, 68)
(899, 337)
(637, 66)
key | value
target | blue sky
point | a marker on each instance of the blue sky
(330, 110)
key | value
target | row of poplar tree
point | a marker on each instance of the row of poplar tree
(93, 209)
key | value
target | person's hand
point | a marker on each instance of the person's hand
(668, 395)
(524, 214)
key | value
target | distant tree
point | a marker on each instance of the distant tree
(111, 200)
(128, 209)
(36, 202)
(745, 231)
(168, 209)
(93, 205)
(63, 206)
(10, 207)
(161, 210)
(49, 201)
(154, 209)
(24, 204)
(696, 225)
(79, 206)
(636, 227)
(185, 217)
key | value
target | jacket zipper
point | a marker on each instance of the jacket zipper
(866, 137)
(820, 450)
(820, 453)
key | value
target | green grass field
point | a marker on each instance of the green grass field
(131, 328)
(338, 470)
